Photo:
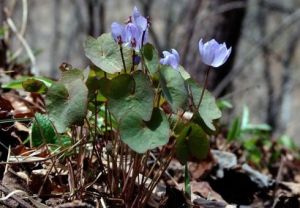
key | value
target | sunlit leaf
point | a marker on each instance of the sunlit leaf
(185, 75)
(104, 52)
(18, 84)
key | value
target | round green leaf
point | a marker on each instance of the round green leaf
(118, 87)
(192, 142)
(173, 87)
(198, 142)
(42, 130)
(67, 103)
(151, 58)
(208, 109)
(104, 52)
(140, 102)
(141, 135)
(71, 75)
(182, 147)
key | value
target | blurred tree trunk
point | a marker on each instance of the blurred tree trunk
(228, 30)
(56, 37)
(192, 13)
(272, 106)
(285, 95)
(3, 45)
(96, 14)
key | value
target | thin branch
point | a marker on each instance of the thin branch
(12, 26)
(24, 17)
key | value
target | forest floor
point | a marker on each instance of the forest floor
(260, 173)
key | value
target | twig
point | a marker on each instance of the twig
(24, 17)
(45, 179)
(14, 196)
(102, 203)
(12, 26)
(8, 156)
(278, 178)
(166, 172)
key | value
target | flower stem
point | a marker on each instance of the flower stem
(122, 55)
(142, 54)
(133, 55)
(187, 184)
(204, 87)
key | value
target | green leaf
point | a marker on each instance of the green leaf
(118, 87)
(198, 142)
(224, 104)
(192, 142)
(67, 102)
(245, 118)
(141, 135)
(257, 127)
(173, 87)
(104, 52)
(2, 32)
(185, 75)
(182, 147)
(235, 130)
(18, 84)
(187, 180)
(151, 58)
(15, 84)
(208, 109)
(287, 142)
(71, 75)
(42, 130)
(33, 85)
(140, 102)
(63, 140)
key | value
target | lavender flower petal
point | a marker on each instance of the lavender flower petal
(212, 53)
(171, 59)
(118, 32)
(139, 20)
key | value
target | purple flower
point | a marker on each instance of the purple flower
(138, 19)
(118, 32)
(134, 33)
(142, 23)
(171, 59)
(213, 54)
